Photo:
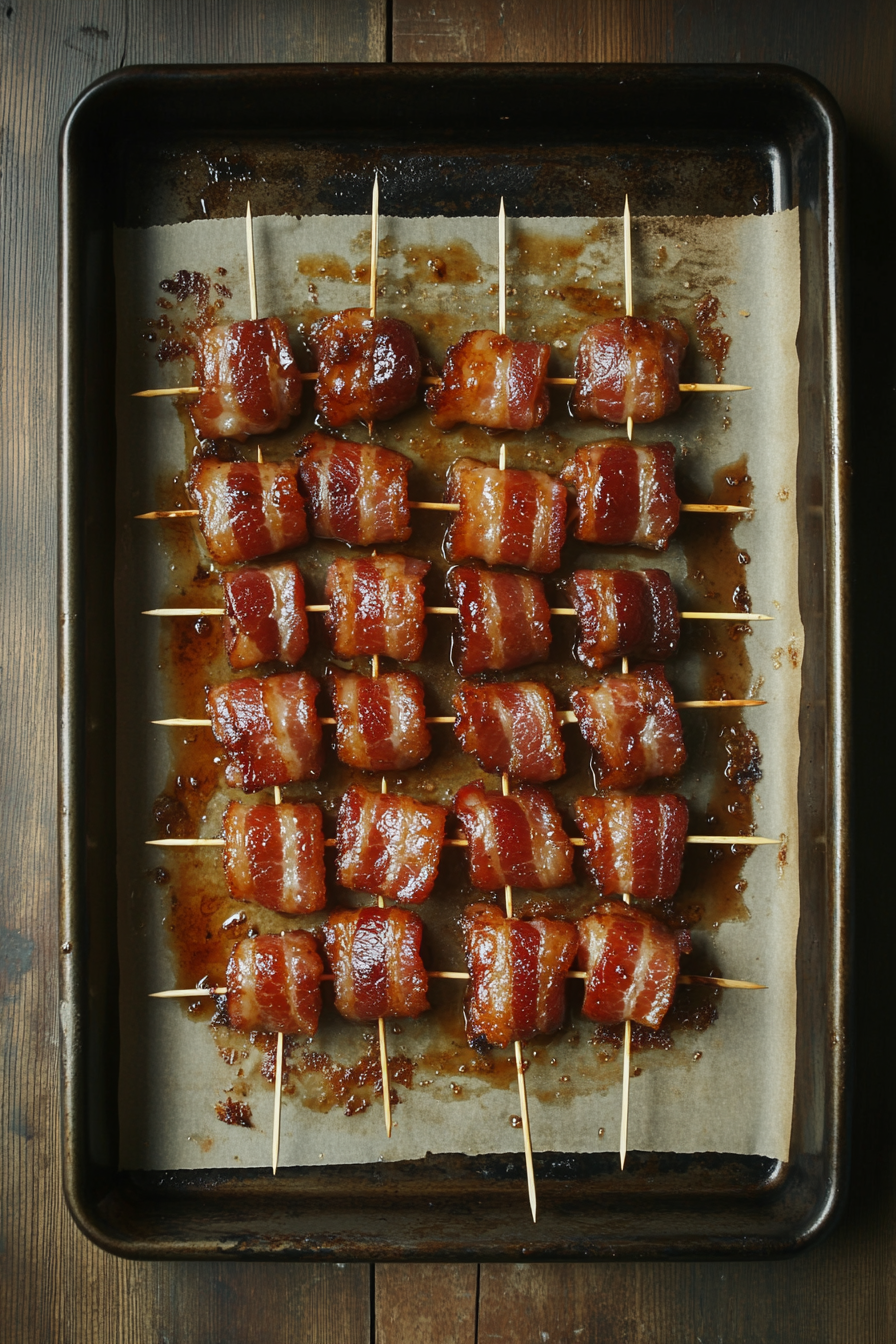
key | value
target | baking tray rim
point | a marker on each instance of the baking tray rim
(73, 972)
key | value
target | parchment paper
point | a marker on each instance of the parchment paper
(737, 1097)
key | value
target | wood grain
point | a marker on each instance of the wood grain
(54, 1285)
(426, 1304)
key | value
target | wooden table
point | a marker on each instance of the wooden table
(55, 1285)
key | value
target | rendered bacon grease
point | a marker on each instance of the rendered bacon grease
(268, 728)
(367, 368)
(274, 855)
(624, 613)
(515, 840)
(375, 959)
(631, 723)
(518, 968)
(249, 378)
(273, 984)
(264, 615)
(493, 381)
(380, 721)
(634, 844)
(511, 727)
(377, 607)
(629, 368)
(248, 509)
(625, 493)
(631, 958)
(506, 517)
(389, 844)
(356, 492)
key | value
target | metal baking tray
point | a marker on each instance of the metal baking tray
(136, 150)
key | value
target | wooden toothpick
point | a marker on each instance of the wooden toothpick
(374, 241)
(520, 1066)
(278, 1095)
(168, 842)
(502, 270)
(220, 991)
(250, 263)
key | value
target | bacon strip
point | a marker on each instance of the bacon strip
(634, 845)
(268, 728)
(274, 855)
(632, 962)
(249, 378)
(516, 841)
(264, 615)
(625, 493)
(511, 727)
(628, 367)
(367, 369)
(632, 725)
(624, 613)
(504, 620)
(506, 517)
(389, 844)
(356, 492)
(248, 509)
(493, 381)
(375, 959)
(517, 975)
(380, 722)
(377, 606)
(273, 984)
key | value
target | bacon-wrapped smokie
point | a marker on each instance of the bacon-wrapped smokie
(268, 728)
(249, 378)
(511, 727)
(507, 517)
(631, 723)
(367, 368)
(631, 958)
(274, 855)
(377, 607)
(634, 844)
(493, 381)
(264, 615)
(375, 959)
(380, 721)
(248, 509)
(625, 493)
(273, 984)
(518, 971)
(514, 840)
(624, 613)
(356, 492)
(504, 620)
(389, 844)
(629, 368)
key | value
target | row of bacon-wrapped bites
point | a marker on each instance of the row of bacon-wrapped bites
(357, 493)
(390, 845)
(517, 971)
(369, 369)
(376, 607)
(272, 735)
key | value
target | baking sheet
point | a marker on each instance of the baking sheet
(441, 276)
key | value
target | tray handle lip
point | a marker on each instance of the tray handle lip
(803, 88)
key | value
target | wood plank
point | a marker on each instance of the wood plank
(530, 30)
(54, 1284)
(429, 1304)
